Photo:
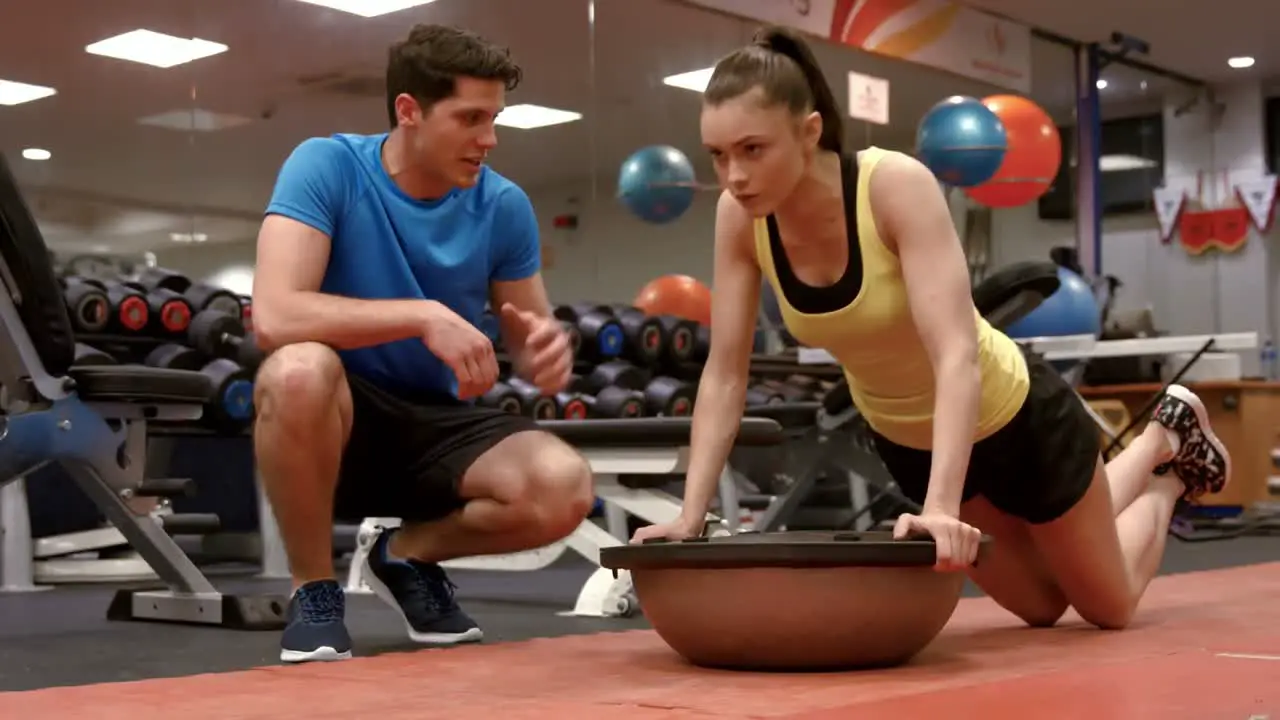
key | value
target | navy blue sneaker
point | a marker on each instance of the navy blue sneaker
(422, 594)
(315, 630)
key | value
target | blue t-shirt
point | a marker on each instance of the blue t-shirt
(388, 245)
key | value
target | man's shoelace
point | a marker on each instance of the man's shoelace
(322, 603)
(433, 587)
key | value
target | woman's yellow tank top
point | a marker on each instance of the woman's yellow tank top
(875, 339)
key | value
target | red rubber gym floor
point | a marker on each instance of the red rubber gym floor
(1206, 645)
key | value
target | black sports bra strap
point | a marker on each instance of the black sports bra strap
(807, 298)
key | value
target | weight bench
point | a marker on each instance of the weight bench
(634, 449)
(830, 435)
(93, 421)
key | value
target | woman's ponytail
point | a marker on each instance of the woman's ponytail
(789, 43)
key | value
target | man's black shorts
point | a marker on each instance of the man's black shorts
(406, 456)
(1036, 468)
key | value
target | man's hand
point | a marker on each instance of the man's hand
(957, 542)
(542, 354)
(466, 350)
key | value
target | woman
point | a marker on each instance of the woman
(863, 256)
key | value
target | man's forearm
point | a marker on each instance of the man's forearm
(959, 387)
(339, 322)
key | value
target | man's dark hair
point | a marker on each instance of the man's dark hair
(427, 64)
(779, 62)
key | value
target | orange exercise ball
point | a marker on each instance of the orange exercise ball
(1032, 161)
(678, 295)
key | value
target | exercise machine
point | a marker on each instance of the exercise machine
(95, 421)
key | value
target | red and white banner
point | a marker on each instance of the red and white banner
(1259, 197)
(1169, 202)
(938, 33)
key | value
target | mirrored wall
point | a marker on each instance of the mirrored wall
(151, 131)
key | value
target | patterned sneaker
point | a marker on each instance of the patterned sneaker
(421, 593)
(315, 630)
(1201, 461)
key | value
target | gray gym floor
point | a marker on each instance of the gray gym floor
(61, 637)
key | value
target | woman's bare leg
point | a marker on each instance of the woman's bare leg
(1103, 561)
(1100, 556)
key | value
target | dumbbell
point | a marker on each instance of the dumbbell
(128, 311)
(169, 313)
(575, 337)
(518, 397)
(172, 356)
(87, 355)
(601, 335)
(231, 407)
(646, 336)
(682, 339)
(246, 312)
(615, 402)
(669, 397)
(208, 297)
(156, 278)
(571, 406)
(701, 345)
(199, 296)
(87, 304)
(615, 373)
(217, 334)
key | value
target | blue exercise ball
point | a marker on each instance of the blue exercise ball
(962, 141)
(656, 183)
(1072, 310)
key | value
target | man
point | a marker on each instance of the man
(375, 261)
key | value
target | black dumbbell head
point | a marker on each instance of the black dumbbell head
(209, 329)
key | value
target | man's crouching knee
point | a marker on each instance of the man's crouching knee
(296, 378)
(558, 491)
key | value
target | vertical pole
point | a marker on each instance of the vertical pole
(1088, 136)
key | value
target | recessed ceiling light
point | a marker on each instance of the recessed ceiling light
(155, 49)
(1240, 63)
(180, 237)
(695, 80)
(527, 117)
(368, 8)
(36, 154)
(16, 93)
(194, 120)
(1102, 84)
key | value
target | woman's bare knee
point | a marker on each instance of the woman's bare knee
(1014, 574)
(1107, 616)
(1082, 551)
(1043, 615)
